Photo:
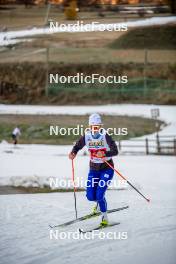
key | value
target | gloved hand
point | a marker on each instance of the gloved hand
(71, 155)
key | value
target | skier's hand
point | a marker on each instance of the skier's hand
(71, 155)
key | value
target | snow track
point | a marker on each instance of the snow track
(25, 236)
(150, 228)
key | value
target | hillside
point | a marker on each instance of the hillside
(157, 37)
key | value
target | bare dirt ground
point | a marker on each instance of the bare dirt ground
(86, 55)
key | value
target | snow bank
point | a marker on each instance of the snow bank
(10, 37)
(167, 113)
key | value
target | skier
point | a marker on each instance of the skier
(101, 146)
(15, 134)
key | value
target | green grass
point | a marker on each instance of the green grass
(35, 129)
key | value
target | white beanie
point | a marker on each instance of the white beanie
(95, 119)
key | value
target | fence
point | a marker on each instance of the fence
(160, 145)
(137, 87)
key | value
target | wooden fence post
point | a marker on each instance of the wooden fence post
(119, 145)
(146, 146)
(174, 141)
(47, 71)
(158, 144)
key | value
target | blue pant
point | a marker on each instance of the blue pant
(97, 184)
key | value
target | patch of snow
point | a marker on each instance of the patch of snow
(11, 37)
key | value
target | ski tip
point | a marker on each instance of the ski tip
(50, 226)
(148, 200)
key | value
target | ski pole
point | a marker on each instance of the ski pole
(73, 179)
(148, 200)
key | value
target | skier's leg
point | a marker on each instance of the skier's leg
(13, 138)
(105, 179)
(92, 183)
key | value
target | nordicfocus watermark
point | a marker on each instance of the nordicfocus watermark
(95, 234)
(82, 183)
(81, 78)
(80, 26)
(81, 130)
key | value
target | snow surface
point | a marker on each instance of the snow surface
(167, 112)
(25, 236)
(150, 227)
(7, 38)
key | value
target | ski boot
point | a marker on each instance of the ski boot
(104, 220)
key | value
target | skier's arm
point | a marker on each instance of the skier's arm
(112, 145)
(78, 146)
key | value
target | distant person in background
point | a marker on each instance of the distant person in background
(15, 134)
